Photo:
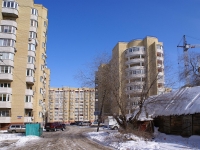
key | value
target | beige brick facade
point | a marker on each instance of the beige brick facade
(25, 25)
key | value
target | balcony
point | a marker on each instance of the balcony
(28, 92)
(31, 53)
(5, 119)
(34, 17)
(6, 104)
(32, 41)
(133, 61)
(30, 66)
(28, 119)
(7, 36)
(160, 58)
(134, 53)
(6, 76)
(30, 80)
(135, 83)
(134, 68)
(160, 50)
(28, 105)
(6, 90)
(32, 28)
(9, 23)
(7, 62)
(10, 12)
(8, 49)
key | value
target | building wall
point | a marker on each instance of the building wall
(71, 104)
(22, 82)
(134, 64)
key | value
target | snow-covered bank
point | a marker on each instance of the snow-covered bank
(161, 141)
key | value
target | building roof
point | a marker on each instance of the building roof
(181, 102)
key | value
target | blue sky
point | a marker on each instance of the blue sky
(78, 30)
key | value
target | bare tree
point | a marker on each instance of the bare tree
(192, 73)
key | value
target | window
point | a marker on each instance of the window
(7, 42)
(159, 46)
(10, 4)
(7, 56)
(5, 97)
(28, 98)
(7, 29)
(34, 23)
(4, 113)
(34, 11)
(41, 78)
(45, 23)
(41, 91)
(42, 67)
(31, 59)
(4, 85)
(31, 47)
(32, 35)
(30, 72)
(44, 34)
(43, 45)
(5, 69)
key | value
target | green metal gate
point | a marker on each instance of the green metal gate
(34, 129)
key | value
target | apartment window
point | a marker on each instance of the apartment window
(7, 29)
(5, 97)
(44, 34)
(4, 85)
(41, 91)
(28, 98)
(4, 113)
(40, 114)
(5, 69)
(31, 59)
(7, 42)
(34, 11)
(45, 23)
(41, 78)
(7, 56)
(34, 23)
(43, 45)
(32, 35)
(9, 4)
(30, 72)
(31, 47)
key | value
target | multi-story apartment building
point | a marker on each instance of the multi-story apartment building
(137, 67)
(71, 104)
(24, 78)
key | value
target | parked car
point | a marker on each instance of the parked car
(17, 128)
(54, 126)
(64, 126)
(111, 123)
(84, 123)
(95, 124)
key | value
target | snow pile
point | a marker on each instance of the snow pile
(10, 136)
(132, 142)
(25, 139)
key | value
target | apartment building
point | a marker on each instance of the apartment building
(24, 77)
(71, 104)
(135, 67)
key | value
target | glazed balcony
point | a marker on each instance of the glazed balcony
(135, 53)
(6, 104)
(6, 90)
(5, 119)
(134, 68)
(10, 9)
(31, 53)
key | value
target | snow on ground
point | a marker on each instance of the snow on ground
(19, 137)
(161, 141)
(114, 139)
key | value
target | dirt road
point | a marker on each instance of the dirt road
(70, 139)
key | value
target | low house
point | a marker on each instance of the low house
(176, 112)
